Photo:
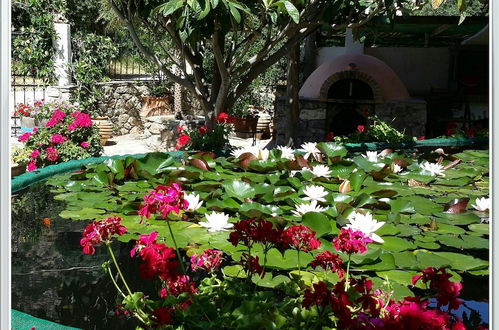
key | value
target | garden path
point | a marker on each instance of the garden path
(136, 144)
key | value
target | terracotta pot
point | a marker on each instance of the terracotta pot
(263, 126)
(17, 169)
(244, 127)
(156, 106)
(105, 128)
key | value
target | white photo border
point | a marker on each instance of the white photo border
(5, 251)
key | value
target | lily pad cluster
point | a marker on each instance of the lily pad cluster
(427, 210)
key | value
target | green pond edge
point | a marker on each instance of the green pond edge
(25, 180)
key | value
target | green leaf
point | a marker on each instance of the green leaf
(293, 11)
(331, 149)
(480, 228)
(239, 189)
(116, 166)
(463, 262)
(168, 8)
(356, 179)
(430, 259)
(154, 163)
(235, 13)
(317, 222)
(396, 244)
(234, 271)
(268, 281)
(206, 10)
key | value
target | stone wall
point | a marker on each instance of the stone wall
(122, 102)
(408, 116)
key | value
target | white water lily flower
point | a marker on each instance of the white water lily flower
(301, 209)
(194, 202)
(310, 148)
(315, 193)
(371, 156)
(366, 224)
(397, 168)
(321, 170)
(287, 152)
(260, 154)
(482, 204)
(434, 168)
(216, 222)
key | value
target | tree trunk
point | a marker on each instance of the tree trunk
(293, 88)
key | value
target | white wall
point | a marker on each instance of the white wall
(418, 68)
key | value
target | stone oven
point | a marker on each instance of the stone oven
(340, 95)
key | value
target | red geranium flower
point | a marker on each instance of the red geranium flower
(101, 231)
(361, 128)
(203, 130)
(447, 291)
(329, 137)
(329, 261)
(222, 117)
(321, 296)
(301, 238)
(252, 231)
(252, 264)
(421, 138)
(162, 316)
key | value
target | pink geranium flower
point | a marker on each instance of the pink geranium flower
(58, 138)
(24, 137)
(31, 166)
(85, 144)
(35, 153)
(100, 231)
(350, 241)
(210, 260)
(52, 154)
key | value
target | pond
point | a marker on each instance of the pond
(52, 279)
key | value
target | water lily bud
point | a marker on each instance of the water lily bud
(344, 186)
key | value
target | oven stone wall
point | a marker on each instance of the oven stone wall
(407, 115)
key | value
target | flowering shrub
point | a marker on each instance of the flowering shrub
(40, 109)
(256, 234)
(348, 303)
(376, 131)
(68, 134)
(203, 138)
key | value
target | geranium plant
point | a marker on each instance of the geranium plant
(68, 134)
(203, 138)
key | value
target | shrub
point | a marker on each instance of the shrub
(68, 134)
(204, 138)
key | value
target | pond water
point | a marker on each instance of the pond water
(52, 279)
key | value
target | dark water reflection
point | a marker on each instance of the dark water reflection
(52, 279)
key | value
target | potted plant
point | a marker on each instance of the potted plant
(245, 116)
(159, 102)
(68, 134)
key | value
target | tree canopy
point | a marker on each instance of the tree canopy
(181, 34)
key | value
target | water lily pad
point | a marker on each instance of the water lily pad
(318, 222)
(269, 281)
(481, 228)
(234, 271)
(396, 244)
(463, 262)
(239, 189)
